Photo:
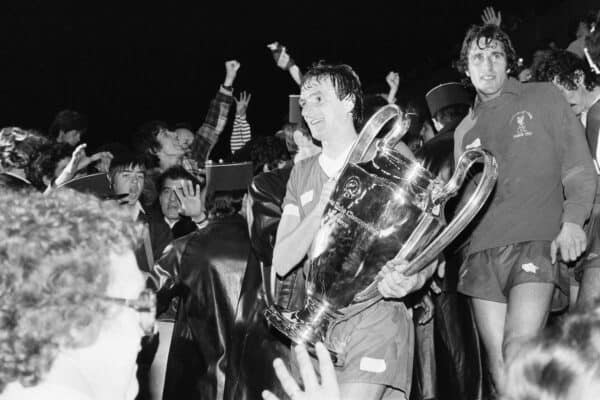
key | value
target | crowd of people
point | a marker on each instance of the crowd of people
(132, 273)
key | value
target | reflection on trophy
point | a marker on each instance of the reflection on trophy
(384, 206)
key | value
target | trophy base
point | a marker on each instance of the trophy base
(302, 333)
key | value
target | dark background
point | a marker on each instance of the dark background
(125, 63)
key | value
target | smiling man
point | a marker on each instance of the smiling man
(510, 271)
(379, 340)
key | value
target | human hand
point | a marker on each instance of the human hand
(426, 304)
(104, 159)
(328, 389)
(393, 80)
(231, 69)
(394, 284)
(241, 104)
(190, 200)
(571, 241)
(79, 160)
(490, 17)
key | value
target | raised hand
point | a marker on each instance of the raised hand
(393, 80)
(241, 104)
(190, 200)
(231, 70)
(327, 389)
(490, 17)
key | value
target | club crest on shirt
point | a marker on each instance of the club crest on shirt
(352, 187)
(519, 122)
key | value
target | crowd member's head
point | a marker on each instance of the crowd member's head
(159, 145)
(448, 104)
(331, 99)
(299, 141)
(126, 177)
(68, 127)
(572, 76)
(563, 363)
(48, 164)
(184, 135)
(18, 147)
(72, 306)
(265, 152)
(168, 182)
(553, 371)
(486, 57)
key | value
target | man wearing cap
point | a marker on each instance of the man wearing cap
(544, 193)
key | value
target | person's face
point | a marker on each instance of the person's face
(487, 68)
(184, 138)
(575, 97)
(112, 357)
(130, 181)
(170, 151)
(323, 111)
(72, 137)
(169, 202)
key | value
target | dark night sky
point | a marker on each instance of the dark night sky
(123, 64)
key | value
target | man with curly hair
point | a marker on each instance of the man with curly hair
(72, 303)
(510, 271)
(581, 88)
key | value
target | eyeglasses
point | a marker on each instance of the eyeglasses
(145, 305)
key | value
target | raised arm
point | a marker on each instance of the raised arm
(285, 62)
(242, 131)
(216, 118)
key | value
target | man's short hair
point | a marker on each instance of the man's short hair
(488, 33)
(68, 120)
(125, 161)
(178, 172)
(345, 82)
(54, 268)
(566, 67)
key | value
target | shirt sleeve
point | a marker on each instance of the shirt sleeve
(578, 173)
(241, 134)
(291, 201)
(214, 123)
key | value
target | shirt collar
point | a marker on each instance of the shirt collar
(511, 87)
(332, 166)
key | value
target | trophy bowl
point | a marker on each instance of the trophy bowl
(388, 207)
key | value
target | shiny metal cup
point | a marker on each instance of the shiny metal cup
(385, 206)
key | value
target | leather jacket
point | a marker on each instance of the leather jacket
(204, 271)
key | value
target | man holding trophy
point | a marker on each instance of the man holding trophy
(378, 340)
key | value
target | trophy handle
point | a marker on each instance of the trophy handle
(365, 146)
(467, 212)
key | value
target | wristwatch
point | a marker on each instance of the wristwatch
(228, 88)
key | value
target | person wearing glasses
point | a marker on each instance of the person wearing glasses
(73, 304)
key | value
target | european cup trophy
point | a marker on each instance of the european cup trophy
(384, 206)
